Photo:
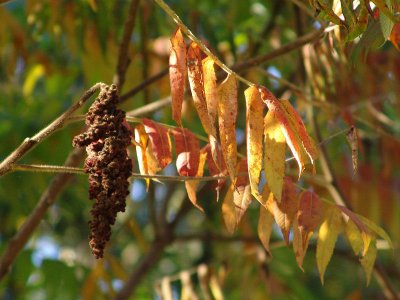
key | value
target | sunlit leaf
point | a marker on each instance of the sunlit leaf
(192, 185)
(187, 151)
(210, 87)
(327, 236)
(227, 113)
(274, 155)
(254, 132)
(177, 74)
(160, 142)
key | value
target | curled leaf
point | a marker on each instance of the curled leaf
(242, 193)
(187, 151)
(192, 185)
(177, 74)
(227, 113)
(254, 135)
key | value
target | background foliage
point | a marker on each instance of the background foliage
(51, 51)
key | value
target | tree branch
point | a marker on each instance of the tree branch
(29, 143)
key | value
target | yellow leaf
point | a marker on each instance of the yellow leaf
(327, 236)
(368, 261)
(376, 229)
(264, 229)
(274, 155)
(354, 237)
(177, 74)
(254, 131)
(229, 211)
(227, 113)
(34, 74)
(191, 185)
(210, 87)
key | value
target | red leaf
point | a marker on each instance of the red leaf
(187, 151)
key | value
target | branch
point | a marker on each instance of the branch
(29, 143)
(55, 188)
(123, 59)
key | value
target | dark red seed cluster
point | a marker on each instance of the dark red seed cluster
(108, 165)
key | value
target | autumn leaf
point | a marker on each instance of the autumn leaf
(196, 81)
(242, 192)
(265, 222)
(309, 215)
(160, 142)
(298, 245)
(293, 129)
(187, 152)
(366, 235)
(210, 87)
(327, 236)
(229, 211)
(274, 155)
(214, 168)
(352, 139)
(192, 185)
(177, 74)
(368, 260)
(254, 132)
(227, 113)
(285, 211)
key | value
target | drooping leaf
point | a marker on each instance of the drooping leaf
(309, 215)
(254, 132)
(160, 142)
(353, 142)
(292, 128)
(196, 81)
(366, 234)
(177, 74)
(229, 211)
(368, 260)
(187, 152)
(327, 236)
(353, 235)
(210, 87)
(242, 192)
(298, 245)
(377, 230)
(274, 155)
(216, 168)
(192, 185)
(227, 113)
(285, 211)
(265, 222)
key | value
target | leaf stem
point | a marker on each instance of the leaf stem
(195, 39)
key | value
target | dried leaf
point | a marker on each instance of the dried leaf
(227, 113)
(327, 236)
(298, 245)
(177, 74)
(274, 155)
(187, 152)
(210, 87)
(229, 211)
(285, 211)
(160, 142)
(368, 261)
(309, 215)
(264, 228)
(293, 129)
(196, 81)
(214, 168)
(254, 131)
(242, 193)
(366, 235)
(192, 185)
(352, 138)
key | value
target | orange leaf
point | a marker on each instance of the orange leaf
(309, 215)
(395, 36)
(187, 151)
(298, 245)
(196, 81)
(216, 169)
(242, 194)
(210, 87)
(285, 211)
(293, 129)
(274, 155)
(227, 113)
(228, 211)
(160, 142)
(254, 131)
(191, 185)
(265, 222)
(177, 74)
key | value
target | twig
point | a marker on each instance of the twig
(123, 59)
(15, 245)
(29, 143)
(48, 169)
(203, 47)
